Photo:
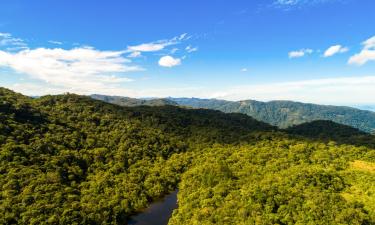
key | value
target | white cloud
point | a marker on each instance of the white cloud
(157, 45)
(244, 70)
(335, 49)
(300, 53)
(341, 90)
(287, 2)
(298, 3)
(337, 91)
(149, 47)
(370, 43)
(80, 69)
(135, 55)
(55, 42)
(174, 50)
(183, 36)
(367, 53)
(169, 61)
(11, 43)
(190, 49)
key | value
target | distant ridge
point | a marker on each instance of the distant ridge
(283, 114)
(126, 101)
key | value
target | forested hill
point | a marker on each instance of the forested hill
(287, 113)
(125, 101)
(278, 113)
(70, 159)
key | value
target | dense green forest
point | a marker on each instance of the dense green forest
(70, 159)
(278, 113)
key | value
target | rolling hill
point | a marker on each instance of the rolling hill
(278, 113)
(287, 113)
(71, 159)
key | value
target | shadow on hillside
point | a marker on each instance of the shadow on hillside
(326, 131)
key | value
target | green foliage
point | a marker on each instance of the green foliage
(277, 181)
(286, 113)
(69, 159)
(283, 114)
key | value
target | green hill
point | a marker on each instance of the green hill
(287, 113)
(125, 101)
(70, 159)
(277, 113)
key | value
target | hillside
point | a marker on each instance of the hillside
(325, 130)
(277, 113)
(287, 113)
(125, 101)
(70, 159)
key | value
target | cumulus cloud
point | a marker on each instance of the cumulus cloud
(81, 69)
(335, 49)
(300, 53)
(169, 61)
(367, 53)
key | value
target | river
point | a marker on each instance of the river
(158, 213)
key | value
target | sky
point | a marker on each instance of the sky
(318, 51)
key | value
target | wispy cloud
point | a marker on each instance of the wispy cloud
(55, 42)
(11, 43)
(191, 49)
(158, 45)
(335, 49)
(367, 53)
(174, 50)
(300, 53)
(135, 55)
(290, 4)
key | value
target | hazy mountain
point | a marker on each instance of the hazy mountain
(126, 101)
(288, 113)
(278, 113)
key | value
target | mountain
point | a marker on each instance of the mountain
(125, 101)
(287, 113)
(71, 159)
(278, 113)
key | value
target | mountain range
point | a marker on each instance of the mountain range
(283, 114)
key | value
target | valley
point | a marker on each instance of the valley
(74, 160)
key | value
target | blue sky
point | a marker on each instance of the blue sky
(320, 51)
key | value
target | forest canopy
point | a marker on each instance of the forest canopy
(70, 159)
